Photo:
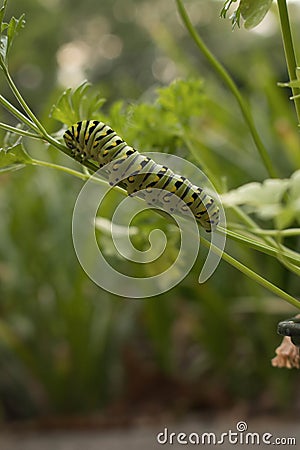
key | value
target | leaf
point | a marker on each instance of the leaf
(294, 197)
(13, 158)
(3, 48)
(184, 98)
(285, 218)
(2, 12)
(273, 199)
(12, 29)
(14, 26)
(262, 198)
(270, 191)
(74, 105)
(253, 11)
(235, 16)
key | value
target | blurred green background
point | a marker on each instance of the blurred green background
(68, 347)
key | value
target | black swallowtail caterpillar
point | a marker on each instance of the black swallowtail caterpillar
(94, 140)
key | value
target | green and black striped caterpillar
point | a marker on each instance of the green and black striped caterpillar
(135, 172)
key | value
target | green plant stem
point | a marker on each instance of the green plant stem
(235, 236)
(289, 50)
(263, 248)
(81, 175)
(251, 274)
(222, 72)
(284, 233)
(15, 112)
(67, 152)
(19, 131)
(22, 102)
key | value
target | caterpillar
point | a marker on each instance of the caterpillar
(93, 140)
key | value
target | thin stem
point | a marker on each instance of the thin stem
(267, 237)
(67, 152)
(81, 175)
(19, 131)
(233, 88)
(285, 233)
(22, 101)
(15, 112)
(289, 50)
(250, 222)
(264, 248)
(253, 275)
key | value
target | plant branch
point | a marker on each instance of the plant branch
(22, 102)
(222, 72)
(81, 175)
(15, 112)
(262, 247)
(19, 131)
(289, 50)
(253, 275)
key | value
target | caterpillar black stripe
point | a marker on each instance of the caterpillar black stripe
(135, 172)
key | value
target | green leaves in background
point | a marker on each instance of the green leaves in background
(252, 11)
(75, 105)
(8, 33)
(160, 123)
(183, 97)
(273, 199)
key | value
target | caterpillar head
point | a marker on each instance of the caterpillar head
(80, 137)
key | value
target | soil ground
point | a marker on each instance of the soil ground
(144, 437)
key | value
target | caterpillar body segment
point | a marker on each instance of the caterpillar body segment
(93, 140)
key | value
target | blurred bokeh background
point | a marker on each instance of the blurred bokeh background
(68, 348)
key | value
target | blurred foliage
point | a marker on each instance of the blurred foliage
(67, 346)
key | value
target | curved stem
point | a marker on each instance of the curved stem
(253, 275)
(233, 88)
(15, 112)
(22, 102)
(81, 175)
(289, 50)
